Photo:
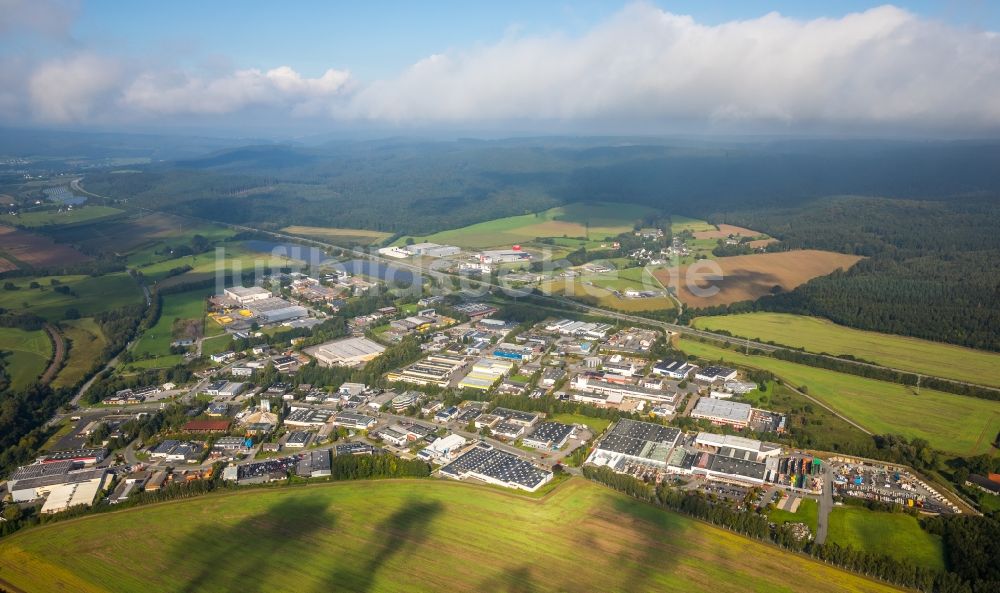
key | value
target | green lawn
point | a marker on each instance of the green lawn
(896, 534)
(823, 336)
(29, 353)
(680, 223)
(52, 217)
(597, 425)
(952, 423)
(86, 341)
(592, 220)
(155, 342)
(235, 256)
(389, 536)
(93, 294)
(808, 513)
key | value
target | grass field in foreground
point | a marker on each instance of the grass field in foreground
(594, 220)
(895, 534)
(29, 353)
(952, 423)
(86, 341)
(410, 536)
(820, 335)
(53, 217)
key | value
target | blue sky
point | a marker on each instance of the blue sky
(847, 67)
(314, 36)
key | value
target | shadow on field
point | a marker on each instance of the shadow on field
(400, 533)
(233, 558)
(651, 528)
(510, 580)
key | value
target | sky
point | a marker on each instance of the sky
(848, 68)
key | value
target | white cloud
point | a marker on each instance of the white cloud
(73, 89)
(883, 66)
(181, 93)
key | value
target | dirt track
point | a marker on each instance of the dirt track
(59, 347)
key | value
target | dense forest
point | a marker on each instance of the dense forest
(932, 267)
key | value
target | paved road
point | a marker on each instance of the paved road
(825, 505)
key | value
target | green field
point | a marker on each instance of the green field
(29, 353)
(813, 426)
(808, 513)
(39, 218)
(86, 341)
(952, 423)
(335, 235)
(896, 534)
(93, 294)
(683, 223)
(597, 425)
(823, 336)
(235, 256)
(592, 220)
(153, 347)
(415, 536)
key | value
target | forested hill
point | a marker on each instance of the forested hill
(422, 187)
(933, 267)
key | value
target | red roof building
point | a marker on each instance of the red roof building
(206, 426)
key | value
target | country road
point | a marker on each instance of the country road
(58, 356)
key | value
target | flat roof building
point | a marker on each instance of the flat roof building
(243, 295)
(347, 352)
(721, 411)
(549, 435)
(491, 465)
(643, 443)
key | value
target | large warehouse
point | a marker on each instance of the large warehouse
(493, 466)
(347, 352)
(631, 441)
(722, 411)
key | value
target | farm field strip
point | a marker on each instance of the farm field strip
(749, 277)
(40, 218)
(93, 294)
(824, 336)
(29, 353)
(362, 236)
(949, 422)
(896, 534)
(595, 221)
(427, 535)
(86, 343)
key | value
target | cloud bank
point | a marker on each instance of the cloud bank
(881, 67)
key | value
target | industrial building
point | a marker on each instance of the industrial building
(276, 310)
(516, 416)
(64, 483)
(504, 256)
(493, 466)
(245, 296)
(759, 449)
(614, 393)
(314, 464)
(308, 417)
(630, 441)
(549, 435)
(715, 373)
(435, 369)
(443, 449)
(569, 327)
(721, 411)
(298, 439)
(432, 250)
(347, 352)
(353, 420)
(674, 369)
(485, 372)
